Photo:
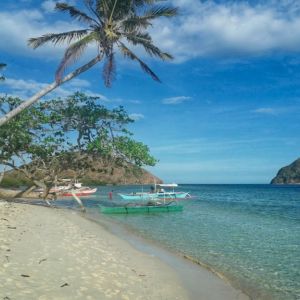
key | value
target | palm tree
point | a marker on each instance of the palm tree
(112, 25)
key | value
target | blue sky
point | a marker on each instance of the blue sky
(227, 110)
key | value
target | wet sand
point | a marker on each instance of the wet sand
(56, 254)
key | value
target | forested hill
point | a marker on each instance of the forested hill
(107, 175)
(289, 174)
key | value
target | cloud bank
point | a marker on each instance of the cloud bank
(208, 28)
(202, 29)
(17, 26)
(27, 88)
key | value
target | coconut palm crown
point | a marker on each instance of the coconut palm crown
(111, 25)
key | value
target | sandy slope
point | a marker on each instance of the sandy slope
(49, 253)
(56, 254)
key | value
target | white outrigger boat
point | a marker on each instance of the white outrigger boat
(157, 193)
(70, 187)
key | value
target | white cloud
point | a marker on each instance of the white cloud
(275, 111)
(102, 97)
(175, 100)
(48, 6)
(27, 88)
(266, 111)
(17, 27)
(202, 28)
(136, 117)
(22, 88)
(79, 83)
(207, 28)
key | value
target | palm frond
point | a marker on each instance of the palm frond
(115, 9)
(160, 11)
(109, 69)
(145, 41)
(74, 13)
(138, 37)
(129, 54)
(145, 2)
(91, 6)
(103, 8)
(110, 22)
(143, 21)
(135, 23)
(72, 54)
(57, 38)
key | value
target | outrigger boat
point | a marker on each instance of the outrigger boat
(70, 187)
(83, 191)
(138, 196)
(157, 193)
(133, 208)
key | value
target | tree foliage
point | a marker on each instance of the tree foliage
(70, 133)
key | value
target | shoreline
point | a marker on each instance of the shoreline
(171, 276)
(189, 270)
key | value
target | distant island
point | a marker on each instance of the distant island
(289, 174)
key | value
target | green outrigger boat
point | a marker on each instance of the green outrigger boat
(131, 208)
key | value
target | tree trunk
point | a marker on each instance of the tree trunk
(25, 192)
(48, 89)
(45, 190)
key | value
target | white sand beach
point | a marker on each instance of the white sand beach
(57, 254)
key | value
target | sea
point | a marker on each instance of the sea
(248, 233)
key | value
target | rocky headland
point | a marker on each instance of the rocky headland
(289, 174)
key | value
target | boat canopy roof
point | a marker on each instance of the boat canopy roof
(168, 185)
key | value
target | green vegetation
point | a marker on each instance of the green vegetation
(73, 133)
(13, 182)
(112, 26)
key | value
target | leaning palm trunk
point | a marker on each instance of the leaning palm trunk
(48, 89)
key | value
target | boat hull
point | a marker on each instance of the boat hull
(151, 196)
(80, 193)
(139, 209)
(137, 197)
(175, 195)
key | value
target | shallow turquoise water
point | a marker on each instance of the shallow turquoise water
(250, 233)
